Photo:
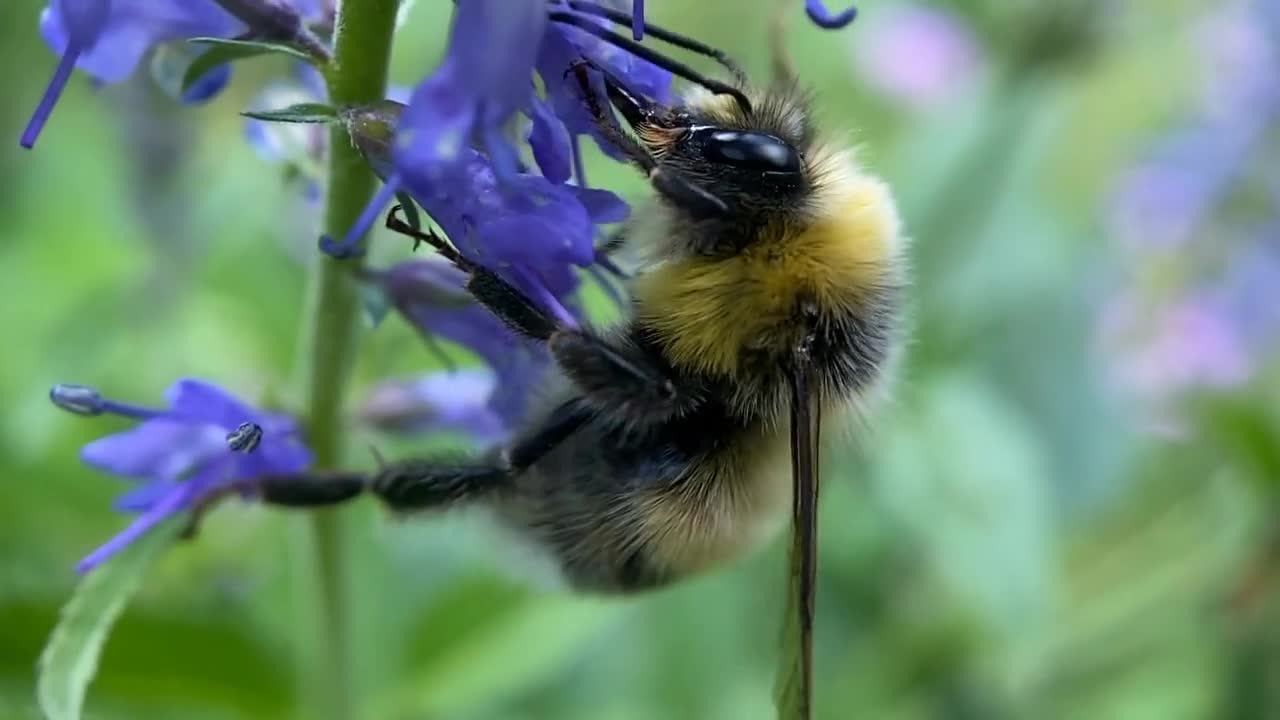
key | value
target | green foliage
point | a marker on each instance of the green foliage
(307, 113)
(223, 50)
(70, 659)
(1005, 542)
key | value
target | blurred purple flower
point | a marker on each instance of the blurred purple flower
(1171, 347)
(430, 295)
(108, 38)
(183, 454)
(1164, 201)
(451, 400)
(1173, 213)
(1237, 53)
(917, 55)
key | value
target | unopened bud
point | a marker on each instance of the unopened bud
(79, 399)
(372, 129)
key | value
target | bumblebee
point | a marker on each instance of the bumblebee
(767, 296)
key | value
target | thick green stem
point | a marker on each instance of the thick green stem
(357, 75)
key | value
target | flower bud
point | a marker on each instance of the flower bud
(372, 129)
(78, 399)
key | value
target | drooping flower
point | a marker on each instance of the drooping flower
(107, 39)
(431, 297)
(457, 400)
(203, 443)
(916, 55)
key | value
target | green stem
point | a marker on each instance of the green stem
(357, 75)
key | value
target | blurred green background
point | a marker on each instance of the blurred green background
(1068, 512)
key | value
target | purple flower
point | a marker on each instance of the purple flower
(483, 80)
(529, 230)
(452, 400)
(1168, 348)
(450, 154)
(1215, 262)
(184, 454)
(564, 45)
(431, 296)
(1166, 200)
(917, 55)
(108, 38)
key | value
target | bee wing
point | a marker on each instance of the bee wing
(794, 691)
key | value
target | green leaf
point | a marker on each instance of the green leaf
(530, 637)
(375, 302)
(70, 659)
(410, 210)
(223, 50)
(300, 113)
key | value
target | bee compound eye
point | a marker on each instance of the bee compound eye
(747, 150)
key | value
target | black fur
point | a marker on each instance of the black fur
(622, 378)
(425, 484)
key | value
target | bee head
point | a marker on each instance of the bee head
(749, 156)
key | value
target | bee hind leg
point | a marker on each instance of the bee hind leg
(424, 484)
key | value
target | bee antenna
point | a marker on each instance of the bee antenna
(683, 42)
(645, 53)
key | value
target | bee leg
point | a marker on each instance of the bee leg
(300, 490)
(319, 489)
(622, 375)
(510, 305)
(414, 484)
(506, 302)
(423, 484)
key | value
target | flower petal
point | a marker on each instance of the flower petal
(144, 496)
(164, 448)
(549, 141)
(436, 126)
(201, 401)
(166, 506)
(50, 98)
(135, 26)
(603, 207)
